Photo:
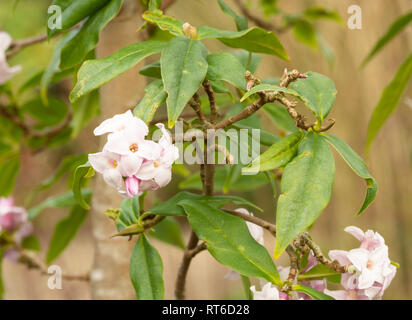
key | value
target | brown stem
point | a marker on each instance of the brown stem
(18, 45)
(211, 95)
(294, 266)
(260, 222)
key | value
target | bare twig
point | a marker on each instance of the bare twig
(211, 95)
(260, 222)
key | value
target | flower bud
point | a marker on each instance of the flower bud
(132, 186)
(190, 31)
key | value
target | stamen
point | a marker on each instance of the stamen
(134, 147)
(156, 164)
(113, 163)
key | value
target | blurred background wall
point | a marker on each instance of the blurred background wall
(358, 92)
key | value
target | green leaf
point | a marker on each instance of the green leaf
(314, 294)
(64, 200)
(243, 183)
(154, 4)
(53, 68)
(171, 208)
(154, 97)
(46, 115)
(129, 213)
(305, 32)
(396, 27)
(31, 243)
(84, 110)
(357, 165)
(165, 23)
(168, 231)
(320, 272)
(240, 21)
(65, 231)
(9, 168)
(269, 6)
(95, 73)
(74, 12)
(306, 190)
(389, 100)
(278, 155)
(184, 66)
(267, 87)
(280, 117)
(76, 50)
(254, 40)
(229, 241)
(152, 70)
(146, 271)
(82, 173)
(251, 64)
(224, 66)
(317, 91)
(315, 13)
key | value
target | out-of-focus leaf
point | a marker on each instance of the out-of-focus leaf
(84, 110)
(389, 100)
(154, 97)
(229, 241)
(9, 168)
(95, 73)
(269, 6)
(76, 50)
(315, 13)
(82, 173)
(357, 165)
(31, 243)
(396, 27)
(146, 271)
(184, 66)
(305, 32)
(240, 21)
(168, 231)
(46, 115)
(280, 117)
(306, 190)
(65, 231)
(243, 56)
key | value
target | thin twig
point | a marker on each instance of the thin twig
(260, 222)
(212, 101)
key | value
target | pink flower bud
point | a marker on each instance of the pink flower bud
(132, 186)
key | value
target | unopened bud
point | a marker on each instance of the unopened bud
(190, 31)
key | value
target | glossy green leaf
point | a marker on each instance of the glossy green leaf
(53, 68)
(76, 50)
(168, 231)
(65, 200)
(277, 156)
(75, 11)
(306, 190)
(171, 208)
(81, 174)
(254, 40)
(154, 97)
(240, 21)
(229, 241)
(129, 213)
(358, 166)
(320, 272)
(65, 231)
(305, 33)
(396, 27)
(389, 100)
(95, 73)
(314, 294)
(317, 91)
(184, 66)
(224, 66)
(146, 271)
(165, 23)
(280, 116)
(9, 168)
(152, 70)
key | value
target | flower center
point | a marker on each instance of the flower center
(156, 163)
(134, 147)
(369, 265)
(113, 163)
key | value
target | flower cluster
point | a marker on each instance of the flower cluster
(14, 227)
(369, 266)
(128, 157)
(6, 72)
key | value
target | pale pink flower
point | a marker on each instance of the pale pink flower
(353, 294)
(11, 217)
(268, 292)
(255, 231)
(369, 239)
(108, 164)
(120, 122)
(160, 167)
(6, 72)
